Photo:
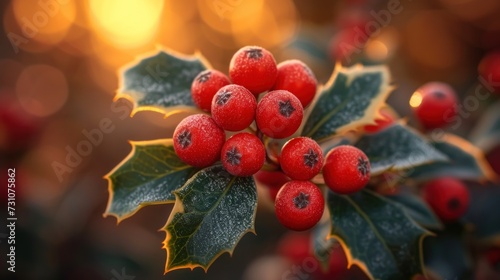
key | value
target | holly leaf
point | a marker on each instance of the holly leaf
(351, 98)
(416, 209)
(377, 234)
(161, 82)
(322, 245)
(465, 162)
(147, 176)
(211, 213)
(486, 133)
(397, 148)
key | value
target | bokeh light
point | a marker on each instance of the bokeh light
(44, 21)
(126, 24)
(42, 90)
(416, 99)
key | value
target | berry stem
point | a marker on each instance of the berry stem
(266, 140)
(251, 130)
(318, 179)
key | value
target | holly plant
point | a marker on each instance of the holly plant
(332, 151)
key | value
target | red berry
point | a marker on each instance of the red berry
(448, 197)
(279, 114)
(296, 247)
(18, 129)
(434, 104)
(489, 69)
(198, 140)
(243, 154)
(272, 180)
(346, 170)
(301, 158)
(299, 205)
(381, 124)
(297, 78)
(254, 68)
(205, 85)
(233, 107)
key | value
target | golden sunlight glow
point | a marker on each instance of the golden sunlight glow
(44, 21)
(416, 99)
(275, 24)
(222, 15)
(376, 50)
(125, 24)
(265, 23)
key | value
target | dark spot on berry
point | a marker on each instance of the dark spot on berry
(453, 204)
(301, 201)
(286, 108)
(363, 167)
(184, 139)
(254, 53)
(310, 158)
(223, 97)
(439, 95)
(233, 156)
(204, 77)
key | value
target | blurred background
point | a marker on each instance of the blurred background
(59, 62)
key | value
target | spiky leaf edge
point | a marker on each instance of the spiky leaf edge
(352, 261)
(372, 113)
(119, 219)
(129, 95)
(179, 208)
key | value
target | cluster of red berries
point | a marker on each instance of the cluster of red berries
(200, 140)
(299, 203)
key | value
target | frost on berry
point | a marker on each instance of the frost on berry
(363, 167)
(301, 200)
(204, 77)
(184, 139)
(286, 108)
(308, 71)
(254, 53)
(310, 158)
(233, 156)
(223, 97)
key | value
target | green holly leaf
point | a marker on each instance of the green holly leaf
(211, 213)
(486, 133)
(352, 98)
(147, 176)
(322, 245)
(465, 162)
(377, 234)
(397, 148)
(161, 82)
(416, 209)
